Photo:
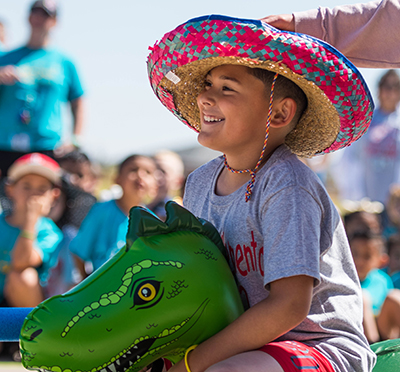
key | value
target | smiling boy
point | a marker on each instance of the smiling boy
(262, 97)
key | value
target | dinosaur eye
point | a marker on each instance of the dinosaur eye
(146, 292)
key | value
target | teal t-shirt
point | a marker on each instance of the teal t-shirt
(101, 235)
(31, 109)
(378, 284)
(48, 238)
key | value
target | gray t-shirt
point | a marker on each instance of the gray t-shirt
(290, 227)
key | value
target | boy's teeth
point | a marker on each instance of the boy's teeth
(209, 118)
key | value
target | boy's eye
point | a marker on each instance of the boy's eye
(207, 83)
(227, 88)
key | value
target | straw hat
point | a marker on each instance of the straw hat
(339, 103)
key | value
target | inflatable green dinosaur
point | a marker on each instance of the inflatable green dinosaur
(169, 289)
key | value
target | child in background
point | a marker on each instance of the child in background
(381, 301)
(103, 231)
(78, 183)
(368, 251)
(171, 181)
(393, 268)
(81, 172)
(362, 220)
(261, 96)
(391, 214)
(28, 238)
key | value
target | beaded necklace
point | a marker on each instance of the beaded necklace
(253, 172)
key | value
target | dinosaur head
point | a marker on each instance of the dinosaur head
(170, 288)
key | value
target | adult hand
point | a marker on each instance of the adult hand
(8, 75)
(281, 21)
(64, 149)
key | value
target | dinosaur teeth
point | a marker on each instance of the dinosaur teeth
(112, 368)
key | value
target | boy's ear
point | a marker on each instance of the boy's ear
(8, 189)
(383, 261)
(56, 193)
(283, 112)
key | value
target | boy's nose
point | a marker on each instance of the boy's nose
(206, 98)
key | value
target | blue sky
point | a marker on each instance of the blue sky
(109, 40)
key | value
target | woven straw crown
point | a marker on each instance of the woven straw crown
(339, 108)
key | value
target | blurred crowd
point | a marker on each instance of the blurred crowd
(59, 220)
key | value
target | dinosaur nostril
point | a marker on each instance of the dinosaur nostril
(36, 333)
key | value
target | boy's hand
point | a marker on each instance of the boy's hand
(286, 306)
(8, 75)
(281, 21)
(37, 206)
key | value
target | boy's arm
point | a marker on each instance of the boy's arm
(287, 306)
(359, 31)
(23, 254)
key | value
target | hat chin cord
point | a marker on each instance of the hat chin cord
(250, 185)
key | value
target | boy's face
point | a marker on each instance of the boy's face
(393, 208)
(137, 178)
(233, 110)
(40, 20)
(81, 175)
(29, 186)
(366, 255)
(389, 94)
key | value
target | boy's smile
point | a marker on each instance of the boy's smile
(233, 111)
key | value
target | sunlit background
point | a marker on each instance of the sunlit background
(109, 40)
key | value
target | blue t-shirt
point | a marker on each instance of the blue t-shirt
(378, 284)
(101, 235)
(30, 110)
(48, 238)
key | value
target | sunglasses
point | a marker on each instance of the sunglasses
(41, 12)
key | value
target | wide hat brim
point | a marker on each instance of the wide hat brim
(339, 108)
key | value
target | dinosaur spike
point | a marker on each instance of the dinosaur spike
(142, 223)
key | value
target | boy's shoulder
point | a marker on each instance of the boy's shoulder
(45, 224)
(285, 169)
(377, 279)
(4, 225)
(104, 210)
(103, 206)
(208, 168)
